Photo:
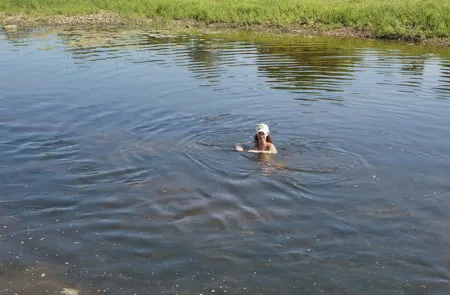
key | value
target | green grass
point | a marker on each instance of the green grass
(383, 18)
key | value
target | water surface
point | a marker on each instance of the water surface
(119, 175)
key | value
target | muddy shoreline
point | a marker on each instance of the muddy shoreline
(20, 21)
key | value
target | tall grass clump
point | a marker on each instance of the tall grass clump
(384, 18)
(48, 7)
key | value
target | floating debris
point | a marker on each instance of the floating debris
(67, 291)
(10, 28)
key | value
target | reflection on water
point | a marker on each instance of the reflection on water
(306, 69)
(119, 174)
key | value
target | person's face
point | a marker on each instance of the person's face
(262, 136)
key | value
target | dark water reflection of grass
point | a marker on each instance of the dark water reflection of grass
(289, 62)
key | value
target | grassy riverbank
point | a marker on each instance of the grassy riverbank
(405, 19)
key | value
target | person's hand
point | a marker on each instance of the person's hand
(239, 148)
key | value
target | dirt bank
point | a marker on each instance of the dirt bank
(18, 21)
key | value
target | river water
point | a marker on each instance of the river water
(119, 175)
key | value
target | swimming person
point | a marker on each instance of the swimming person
(263, 141)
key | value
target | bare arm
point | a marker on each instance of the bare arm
(270, 150)
(262, 152)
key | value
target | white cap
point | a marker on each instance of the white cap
(262, 128)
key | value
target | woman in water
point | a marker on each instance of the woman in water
(263, 141)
